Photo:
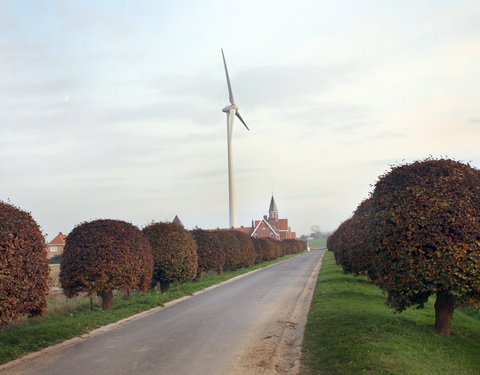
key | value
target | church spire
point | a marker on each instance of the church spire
(177, 220)
(273, 211)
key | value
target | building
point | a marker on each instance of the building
(176, 220)
(55, 246)
(270, 226)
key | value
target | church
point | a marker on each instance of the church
(270, 226)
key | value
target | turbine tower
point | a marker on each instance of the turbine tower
(231, 111)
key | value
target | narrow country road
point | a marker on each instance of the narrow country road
(252, 325)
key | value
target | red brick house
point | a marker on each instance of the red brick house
(270, 226)
(55, 246)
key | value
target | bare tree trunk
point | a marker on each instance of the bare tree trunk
(164, 286)
(444, 306)
(198, 276)
(220, 270)
(91, 301)
(107, 299)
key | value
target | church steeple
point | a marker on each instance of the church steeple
(177, 220)
(273, 211)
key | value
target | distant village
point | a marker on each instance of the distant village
(270, 226)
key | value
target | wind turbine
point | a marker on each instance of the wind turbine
(231, 111)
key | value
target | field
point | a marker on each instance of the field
(319, 244)
(350, 330)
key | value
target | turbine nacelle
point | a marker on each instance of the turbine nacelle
(230, 107)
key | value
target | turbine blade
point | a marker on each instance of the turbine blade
(230, 94)
(241, 119)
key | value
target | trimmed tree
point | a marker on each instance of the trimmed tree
(174, 254)
(352, 244)
(293, 246)
(427, 236)
(259, 253)
(23, 265)
(268, 248)
(104, 255)
(231, 249)
(209, 252)
(302, 245)
(340, 243)
(279, 248)
(247, 248)
(361, 253)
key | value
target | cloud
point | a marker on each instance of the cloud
(40, 89)
(81, 17)
(275, 86)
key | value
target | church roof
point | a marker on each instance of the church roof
(273, 205)
(177, 220)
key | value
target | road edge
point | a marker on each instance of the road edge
(98, 331)
(290, 343)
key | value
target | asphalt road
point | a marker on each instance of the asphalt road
(218, 332)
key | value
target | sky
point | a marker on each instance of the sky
(112, 109)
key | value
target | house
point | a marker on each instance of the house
(55, 246)
(270, 226)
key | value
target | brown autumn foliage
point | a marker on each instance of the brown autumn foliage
(302, 245)
(259, 253)
(104, 255)
(338, 243)
(427, 236)
(417, 236)
(247, 248)
(209, 251)
(23, 265)
(352, 242)
(293, 246)
(231, 249)
(269, 248)
(279, 248)
(174, 254)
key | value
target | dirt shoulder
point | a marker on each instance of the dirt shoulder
(277, 348)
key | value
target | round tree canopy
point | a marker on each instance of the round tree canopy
(23, 265)
(103, 255)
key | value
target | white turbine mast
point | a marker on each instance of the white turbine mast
(231, 111)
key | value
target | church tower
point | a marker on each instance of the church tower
(273, 211)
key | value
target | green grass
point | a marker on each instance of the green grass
(350, 330)
(319, 244)
(66, 318)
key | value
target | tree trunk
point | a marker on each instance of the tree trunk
(107, 299)
(126, 294)
(444, 306)
(198, 276)
(91, 301)
(220, 270)
(164, 286)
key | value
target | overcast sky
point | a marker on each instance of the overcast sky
(112, 109)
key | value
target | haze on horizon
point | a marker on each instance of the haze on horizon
(112, 109)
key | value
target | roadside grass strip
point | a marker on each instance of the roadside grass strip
(350, 330)
(67, 318)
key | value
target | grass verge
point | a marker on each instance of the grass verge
(68, 318)
(319, 244)
(350, 330)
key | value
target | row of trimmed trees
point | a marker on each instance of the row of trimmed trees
(417, 235)
(106, 255)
